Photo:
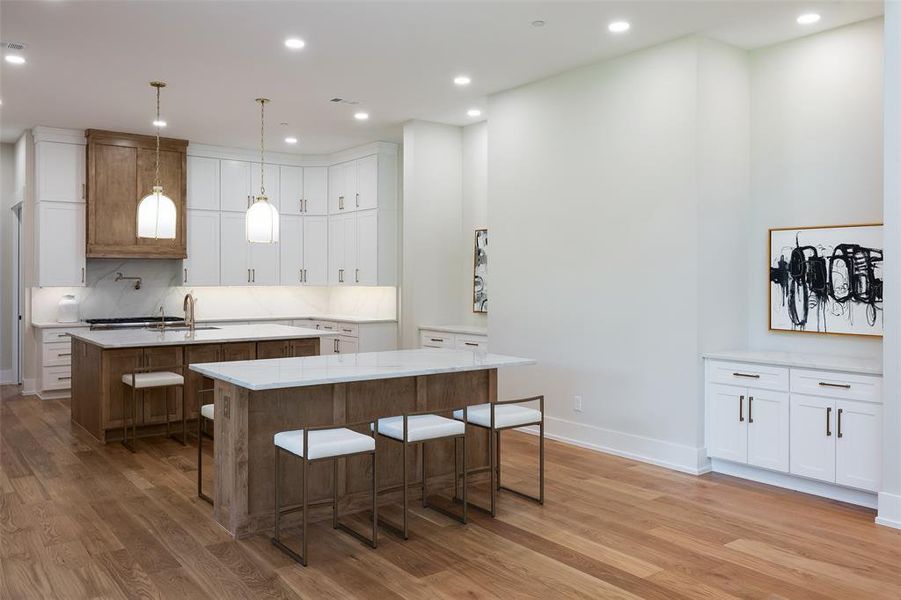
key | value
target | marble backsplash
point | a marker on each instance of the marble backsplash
(161, 286)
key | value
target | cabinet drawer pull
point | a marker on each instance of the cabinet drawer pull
(844, 386)
(358, 200)
(347, 330)
(828, 421)
(340, 202)
(64, 378)
(62, 335)
(357, 275)
(82, 274)
(748, 375)
(750, 401)
(839, 432)
(186, 276)
(437, 339)
(253, 275)
(741, 408)
(64, 354)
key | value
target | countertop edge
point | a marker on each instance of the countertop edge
(462, 329)
(800, 361)
(224, 340)
(344, 319)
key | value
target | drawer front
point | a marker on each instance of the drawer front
(436, 339)
(58, 334)
(748, 375)
(308, 323)
(476, 343)
(349, 329)
(325, 325)
(847, 386)
(57, 353)
(57, 378)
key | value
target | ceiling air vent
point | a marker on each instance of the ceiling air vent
(343, 101)
(17, 46)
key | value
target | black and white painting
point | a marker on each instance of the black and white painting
(827, 279)
(480, 272)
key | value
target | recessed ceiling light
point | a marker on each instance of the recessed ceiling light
(462, 80)
(290, 140)
(159, 123)
(295, 43)
(15, 59)
(474, 112)
(538, 23)
(808, 19)
(361, 116)
(619, 26)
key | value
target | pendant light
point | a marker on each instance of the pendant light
(156, 211)
(261, 222)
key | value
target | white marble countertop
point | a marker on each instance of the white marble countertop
(338, 318)
(280, 373)
(850, 364)
(464, 329)
(141, 338)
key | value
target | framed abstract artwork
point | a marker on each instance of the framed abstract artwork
(480, 272)
(826, 279)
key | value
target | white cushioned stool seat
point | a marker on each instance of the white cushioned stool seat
(325, 443)
(207, 411)
(420, 427)
(505, 415)
(155, 379)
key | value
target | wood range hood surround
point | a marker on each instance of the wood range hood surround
(121, 170)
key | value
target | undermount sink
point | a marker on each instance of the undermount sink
(184, 328)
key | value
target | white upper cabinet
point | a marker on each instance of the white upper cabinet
(59, 172)
(858, 444)
(367, 248)
(367, 178)
(315, 190)
(202, 265)
(203, 183)
(271, 174)
(291, 249)
(315, 250)
(337, 189)
(60, 244)
(264, 264)
(342, 255)
(291, 190)
(235, 185)
(234, 252)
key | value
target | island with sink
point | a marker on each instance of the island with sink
(101, 357)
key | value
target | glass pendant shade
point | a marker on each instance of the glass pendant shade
(261, 222)
(156, 216)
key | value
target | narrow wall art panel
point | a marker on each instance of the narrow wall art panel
(480, 272)
(827, 279)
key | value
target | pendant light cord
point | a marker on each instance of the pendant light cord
(157, 135)
(262, 122)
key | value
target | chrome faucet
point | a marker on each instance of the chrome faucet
(189, 310)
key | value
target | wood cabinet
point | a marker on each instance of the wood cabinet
(812, 424)
(199, 389)
(121, 170)
(287, 348)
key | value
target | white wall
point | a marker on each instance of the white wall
(475, 214)
(890, 496)
(816, 156)
(7, 233)
(599, 255)
(432, 226)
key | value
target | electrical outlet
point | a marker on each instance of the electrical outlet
(577, 403)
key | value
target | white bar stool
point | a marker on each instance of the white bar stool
(418, 428)
(496, 417)
(146, 378)
(205, 416)
(329, 442)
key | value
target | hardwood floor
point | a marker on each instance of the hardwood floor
(83, 520)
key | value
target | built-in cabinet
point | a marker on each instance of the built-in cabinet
(458, 337)
(815, 424)
(353, 337)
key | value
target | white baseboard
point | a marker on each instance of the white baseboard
(29, 387)
(7, 376)
(889, 510)
(798, 484)
(677, 457)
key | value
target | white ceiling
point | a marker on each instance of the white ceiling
(89, 62)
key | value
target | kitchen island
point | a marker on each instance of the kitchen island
(100, 358)
(256, 399)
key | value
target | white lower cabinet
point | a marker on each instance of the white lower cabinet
(820, 425)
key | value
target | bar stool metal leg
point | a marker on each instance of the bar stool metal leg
(306, 465)
(406, 484)
(425, 493)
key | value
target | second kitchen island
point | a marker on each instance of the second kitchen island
(100, 358)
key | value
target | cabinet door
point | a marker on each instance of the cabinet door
(271, 173)
(202, 265)
(173, 180)
(238, 351)
(114, 364)
(858, 444)
(768, 429)
(315, 190)
(347, 345)
(813, 437)
(351, 199)
(273, 349)
(157, 402)
(59, 172)
(368, 182)
(727, 426)
(112, 218)
(337, 184)
(291, 249)
(234, 188)
(291, 190)
(367, 248)
(61, 247)
(264, 264)
(336, 246)
(234, 254)
(198, 389)
(304, 347)
(203, 183)
(315, 250)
